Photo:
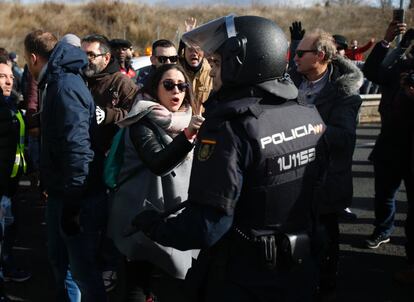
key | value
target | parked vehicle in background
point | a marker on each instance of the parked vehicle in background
(140, 62)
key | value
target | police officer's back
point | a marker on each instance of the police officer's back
(250, 198)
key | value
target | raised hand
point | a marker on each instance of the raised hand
(296, 31)
(190, 23)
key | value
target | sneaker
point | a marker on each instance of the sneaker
(109, 278)
(347, 215)
(376, 240)
(16, 275)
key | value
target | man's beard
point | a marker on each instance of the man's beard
(91, 70)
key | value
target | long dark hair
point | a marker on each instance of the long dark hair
(154, 78)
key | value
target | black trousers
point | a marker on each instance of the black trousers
(330, 255)
(143, 279)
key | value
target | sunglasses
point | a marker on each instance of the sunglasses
(93, 56)
(169, 85)
(301, 52)
(164, 59)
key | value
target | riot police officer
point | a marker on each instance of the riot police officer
(250, 208)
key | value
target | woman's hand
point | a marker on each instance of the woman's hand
(195, 124)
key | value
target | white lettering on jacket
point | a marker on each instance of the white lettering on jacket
(294, 133)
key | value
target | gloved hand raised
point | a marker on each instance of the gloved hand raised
(195, 124)
(296, 31)
(146, 221)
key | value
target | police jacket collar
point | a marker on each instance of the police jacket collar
(230, 102)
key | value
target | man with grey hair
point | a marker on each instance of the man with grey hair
(332, 84)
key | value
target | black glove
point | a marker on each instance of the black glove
(70, 222)
(296, 31)
(407, 38)
(146, 221)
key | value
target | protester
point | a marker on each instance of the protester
(71, 165)
(122, 51)
(12, 166)
(197, 69)
(112, 91)
(163, 52)
(392, 152)
(18, 166)
(158, 154)
(355, 53)
(331, 83)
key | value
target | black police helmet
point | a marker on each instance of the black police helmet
(256, 54)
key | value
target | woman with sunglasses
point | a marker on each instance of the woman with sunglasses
(160, 129)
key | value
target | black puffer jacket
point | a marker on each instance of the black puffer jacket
(159, 157)
(393, 143)
(338, 104)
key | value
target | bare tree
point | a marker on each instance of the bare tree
(347, 2)
(411, 5)
(385, 3)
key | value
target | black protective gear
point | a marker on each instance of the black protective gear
(257, 53)
(296, 31)
(253, 49)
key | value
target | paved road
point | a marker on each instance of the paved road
(366, 275)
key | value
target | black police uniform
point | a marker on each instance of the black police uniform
(250, 185)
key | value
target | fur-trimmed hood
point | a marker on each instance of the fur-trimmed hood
(345, 76)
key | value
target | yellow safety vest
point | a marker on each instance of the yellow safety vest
(19, 161)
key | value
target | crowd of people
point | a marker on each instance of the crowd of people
(217, 173)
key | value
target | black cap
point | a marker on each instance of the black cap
(118, 43)
(341, 41)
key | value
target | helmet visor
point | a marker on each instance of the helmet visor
(210, 36)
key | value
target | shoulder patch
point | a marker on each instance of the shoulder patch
(206, 149)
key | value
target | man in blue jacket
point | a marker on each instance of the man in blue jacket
(71, 169)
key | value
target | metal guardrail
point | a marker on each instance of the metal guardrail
(368, 113)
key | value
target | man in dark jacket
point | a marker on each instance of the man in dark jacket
(122, 52)
(392, 152)
(71, 165)
(332, 84)
(12, 166)
(112, 91)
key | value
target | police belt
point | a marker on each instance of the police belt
(276, 249)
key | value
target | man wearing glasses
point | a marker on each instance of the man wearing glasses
(331, 83)
(112, 91)
(163, 52)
